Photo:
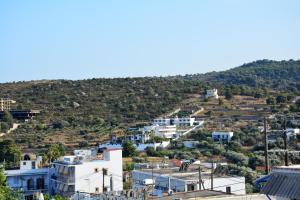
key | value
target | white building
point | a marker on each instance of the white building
(164, 131)
(170, 179)
(185, 121)
(87, 171)
(139, 147)
(190, 143)
(31, 179)
(292, 132)
(162, 121)
(221, 136)
(212, 94)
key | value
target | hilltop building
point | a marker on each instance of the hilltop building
(5, 104)
(221, 136)
(185, 121)
(212, 94)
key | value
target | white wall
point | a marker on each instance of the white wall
(160, 180)
(87, 179)
(237, 184)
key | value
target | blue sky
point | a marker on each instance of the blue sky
(72, 39)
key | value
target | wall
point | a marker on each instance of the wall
(237, 184)
(17, 179)
(160, 181)
(87, 179)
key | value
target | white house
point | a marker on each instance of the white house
(31, 179)
(170, 179)
(292, 132)
(190, 143)
(88, 172)
(164, 131)
(162, 121)
(139, 147)
(212, 93)
(221, 136)
(184, 121)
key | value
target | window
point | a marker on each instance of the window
(228, 190)
(40, 183)
(105, 189)
(97, 190)
(30, 184)
(24, 163)
(96, 170)
(16, 180)
(33, 165)
(104, 171)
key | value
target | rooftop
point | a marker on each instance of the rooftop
(291, 168)
(191, 174)
(18, 172)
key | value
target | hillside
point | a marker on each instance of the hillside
(262, 73)
(89, 109)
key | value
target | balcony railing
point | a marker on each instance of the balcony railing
(33, 189)
(64, 179)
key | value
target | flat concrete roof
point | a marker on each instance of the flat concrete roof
(24, 172)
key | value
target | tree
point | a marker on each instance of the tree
(221, 101)
(228, 94)
(10, 153)
(5, 192)
(83, 144)
(7, 117)
(281, 99)
(234, 146)
(151, 151)
(55, 151)
(271, 101)
(237, 158)
(232, 169)
(129, 149)
(56, 197)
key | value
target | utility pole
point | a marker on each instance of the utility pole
(152, 190)
(145, 194)
(212, 175)
(169, 185)
(111, 183)
(266, 146)
(286, 159)
(104, 172)
(200, 179)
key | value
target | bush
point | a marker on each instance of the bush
(129, 149)
(237, 158)
(83, 144)
(232, 169)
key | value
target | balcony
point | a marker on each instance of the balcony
(69, 180)
(31, 190)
